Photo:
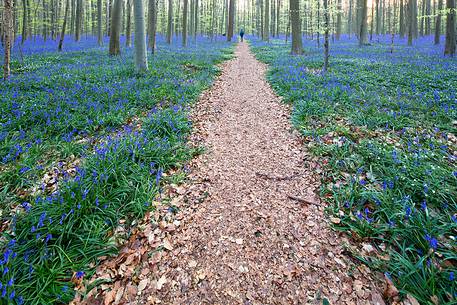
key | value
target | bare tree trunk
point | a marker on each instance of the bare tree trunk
(449, 48)
(128, 30)
(338, 20)
(411, 22)
(24, 21)
(266, 28)
(297, 43)
(278, 19)
(62, 34)
(114, 39)
(231, 20)
(363, 38)
(99, 23)
(196, 11)
(170, 21)
(141, 56)
(350, 19)
(326, 42)
(8, 35)
(438, 23)
(372, 23)
(402, 19)
(184, 23)
(152, 24)
(79, 19)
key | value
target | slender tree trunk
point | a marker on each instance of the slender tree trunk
(438, 23)
(8, 35)
(363, 38)
(99, 23)
(372, 23)
(152, 24)
(231, 20)
(24, 21)
(128, 30)
(79, 19)
(449, 48)
(350, 19)
(378, 18)
(266, 29)
(411, 22)
(196, 28)
(170, 21)
(115, 33)
(422, 19)
(278, 17)
(297, 44)
(64, 25)
(184, 23)
(402, 19)
(326, 30)
(141, 56)
(339, 16)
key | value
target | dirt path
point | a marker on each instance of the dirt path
(249, 242)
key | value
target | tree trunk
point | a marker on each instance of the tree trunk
(196, 11)
(128, 30)
(297, 44)
(8, 35)
(438, 23)
(184, 23)
(141, 56)
(402, 19)
(115, 33)
(170, 21)
(79, 19)
(278, 19)
(326, 42)
(363, 37)
(152, 24)
(350, 19)
(99, 23)
(411, 22)
(338, 20)
(62, 34)
(378, 18)
(266, 28)
(24, 22)
(449, 48)
(231, 20)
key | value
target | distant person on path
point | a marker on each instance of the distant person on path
(241, 34)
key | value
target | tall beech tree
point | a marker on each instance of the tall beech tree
(449, 48)
(141, 55)
(7, 35)
(115, 33)
(64, 25)
(297, 43)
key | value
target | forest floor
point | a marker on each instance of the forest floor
(250, 228)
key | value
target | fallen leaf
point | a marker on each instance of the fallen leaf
(161, 282)
(391, 292)
(412, 300)
(167, 244)
(142, 285)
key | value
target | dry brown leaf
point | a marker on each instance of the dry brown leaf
(142, 285)
(390, 292)
(167, 244)
(412, 300)
(162, 281)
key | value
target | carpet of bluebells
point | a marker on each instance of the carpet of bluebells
(125, 130)
(384, 125)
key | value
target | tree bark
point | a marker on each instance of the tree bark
(8, 35)
(266, 29)
(326, 42)
(449, 48)
(152, 24)
(363, 37)
(438, 23)
(297, 43)
(24, 22)
(115, 33)
(170, 21)
(79, 19)
(141, 56)
(99, 23)
(64, 25)
(184, 23)
(231, 20)
(128, 30)
(339, 15)
(402, 19)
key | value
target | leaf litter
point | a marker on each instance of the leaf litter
(236, 236)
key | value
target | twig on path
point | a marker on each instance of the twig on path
(301, 200)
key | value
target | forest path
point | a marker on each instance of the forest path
(250, 227)
(249, 242)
